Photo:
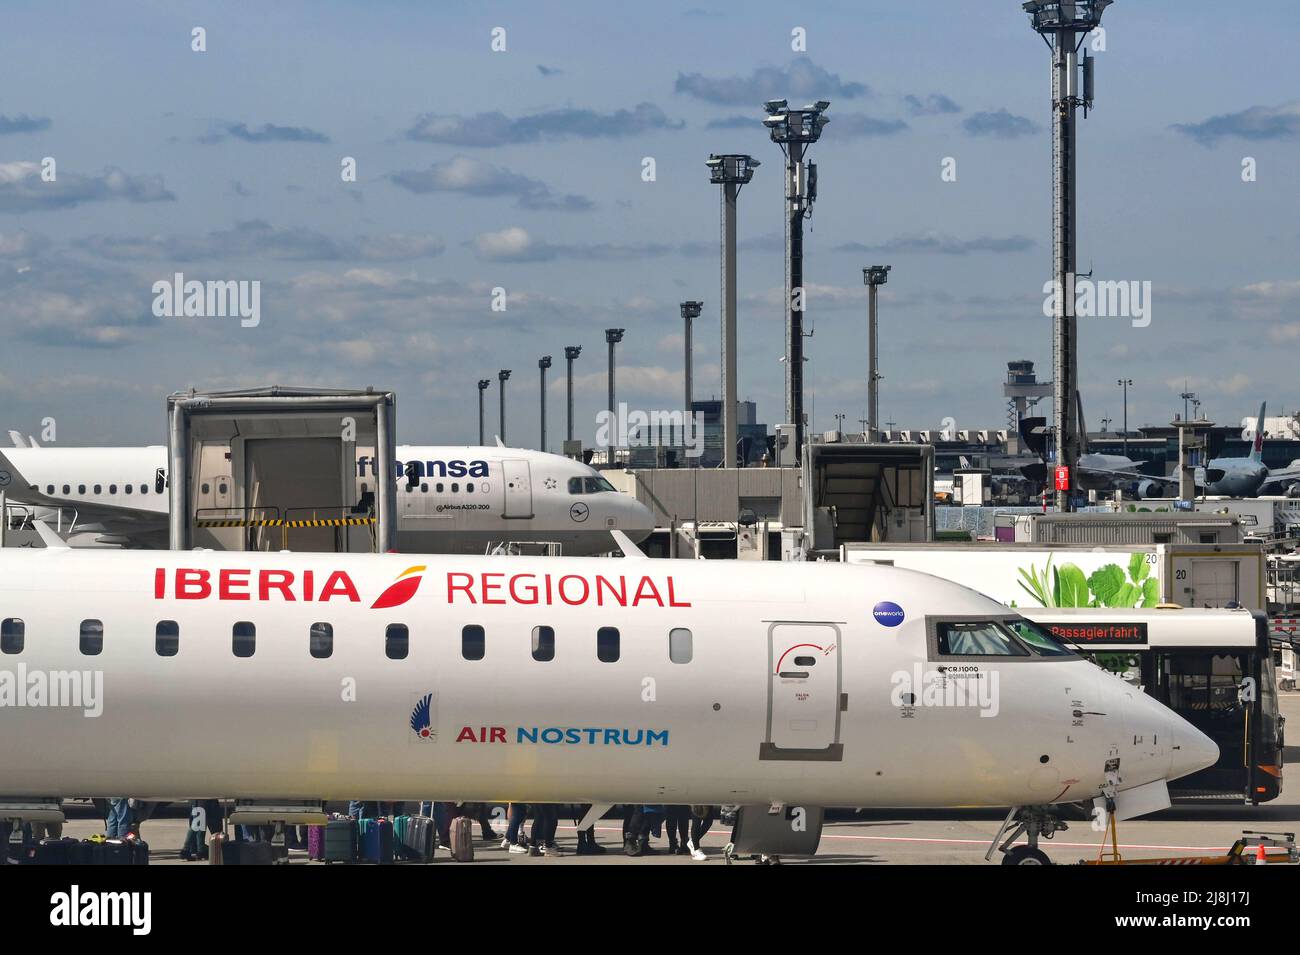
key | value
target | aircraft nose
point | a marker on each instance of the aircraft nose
(1192, 749)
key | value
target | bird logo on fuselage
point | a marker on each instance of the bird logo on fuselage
(401, 590)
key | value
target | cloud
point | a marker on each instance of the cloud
(22, 245)
(74, 305)
(932, 243)
(802, 79)
(259, 240)
(23, 124)
(1000, 125)
(239, 189)
(266, 133)
(515, 244)
(475, 177)
(496, 129)
(737, 122)
(23, 190)
(858, 125)
(1258, 123)
(549, 70)
(933, 105)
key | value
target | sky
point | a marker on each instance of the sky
(518, 175)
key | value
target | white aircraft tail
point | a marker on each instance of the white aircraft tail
(17, 439)
(1257, 446)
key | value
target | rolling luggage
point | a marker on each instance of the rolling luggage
(216, 848)
(139, 852)
(235, 852)
(113, 852)
(462, 839)
(341, 841)
(377, 841)
(419, 838)
(54, 851)
(316, 843)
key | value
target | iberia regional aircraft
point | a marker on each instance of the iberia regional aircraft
(608, 680)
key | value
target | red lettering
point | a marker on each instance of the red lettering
(308, 583)
(466, 587)
(192, 584)
(647, 582)
(619, 594)
(229, 579)
(488, 588)
(269, 580)
(498, 734)
(672, 598)
(466, 735)
(586, 589)
(339, 583)
(530, 589)
(159, 583)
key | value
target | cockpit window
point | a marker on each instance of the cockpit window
(982, 638)
(600, 484)
(589, 485)
(1038, 639)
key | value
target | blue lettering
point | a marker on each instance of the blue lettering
(527, 736)
(611, 737)
(592, 735)
(629, 741)
(552, 735)
(656, 735)
(573, 736)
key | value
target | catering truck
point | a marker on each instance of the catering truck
(1086, 575)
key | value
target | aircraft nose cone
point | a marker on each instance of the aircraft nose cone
(1192, 750)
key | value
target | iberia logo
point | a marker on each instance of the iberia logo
(401, 590)
(421, 720)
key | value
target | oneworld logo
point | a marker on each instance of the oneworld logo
(887, 613)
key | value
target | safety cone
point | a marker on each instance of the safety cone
(1261, 857)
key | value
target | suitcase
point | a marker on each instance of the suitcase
(341, 841)
(419, 838)
(377, 841)
(316, 843)
(462, 839)
(139, 852)
(216, 848)
(82, 852)
(112, 852)
(54, 851)
(246, 853)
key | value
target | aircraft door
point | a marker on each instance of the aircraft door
(518, 489)
(804, 696)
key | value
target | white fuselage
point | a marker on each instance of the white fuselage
(787, 689)
(465, 499)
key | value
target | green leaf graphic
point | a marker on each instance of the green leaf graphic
(1106, 582)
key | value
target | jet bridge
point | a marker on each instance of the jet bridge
(276, 469)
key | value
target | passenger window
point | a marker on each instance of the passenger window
(978, 638)
(397, 641)
(805, 661)
(440, 486)
(244, 639)
(112, 489)
(99, 489)
(321, 641)
(206, 487)
(469, 488)
(167, 638)
(424, 489)
(575, 485)
(12, 635)
(92, 637)
(81, 489)
(66, 489)
(680, 645)
(128, 488)
(473, 642)
(49, 489)
(455, 488)
(144, 489)
(543, 644)
(607, 644)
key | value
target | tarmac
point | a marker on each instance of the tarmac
(881, 837)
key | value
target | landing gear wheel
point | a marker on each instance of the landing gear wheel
(1025, 855)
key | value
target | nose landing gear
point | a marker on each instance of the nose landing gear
(1034, 822)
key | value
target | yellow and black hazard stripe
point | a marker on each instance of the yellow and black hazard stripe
(330, 522)
(236, 522)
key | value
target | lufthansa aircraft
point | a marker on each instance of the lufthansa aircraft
(449, 499)
(294, 678)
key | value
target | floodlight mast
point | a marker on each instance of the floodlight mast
(612, 337)
(483, 385)
(543, 363)
(503, 376)
(874, 276)
(1064, 24)
(794, 130)
(731, 171)
(570, 353)
(690, 312)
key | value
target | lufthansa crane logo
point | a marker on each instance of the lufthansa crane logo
(579, 512)
(401, 590)
(5, 478)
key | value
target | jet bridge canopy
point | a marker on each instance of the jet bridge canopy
(275, 469)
